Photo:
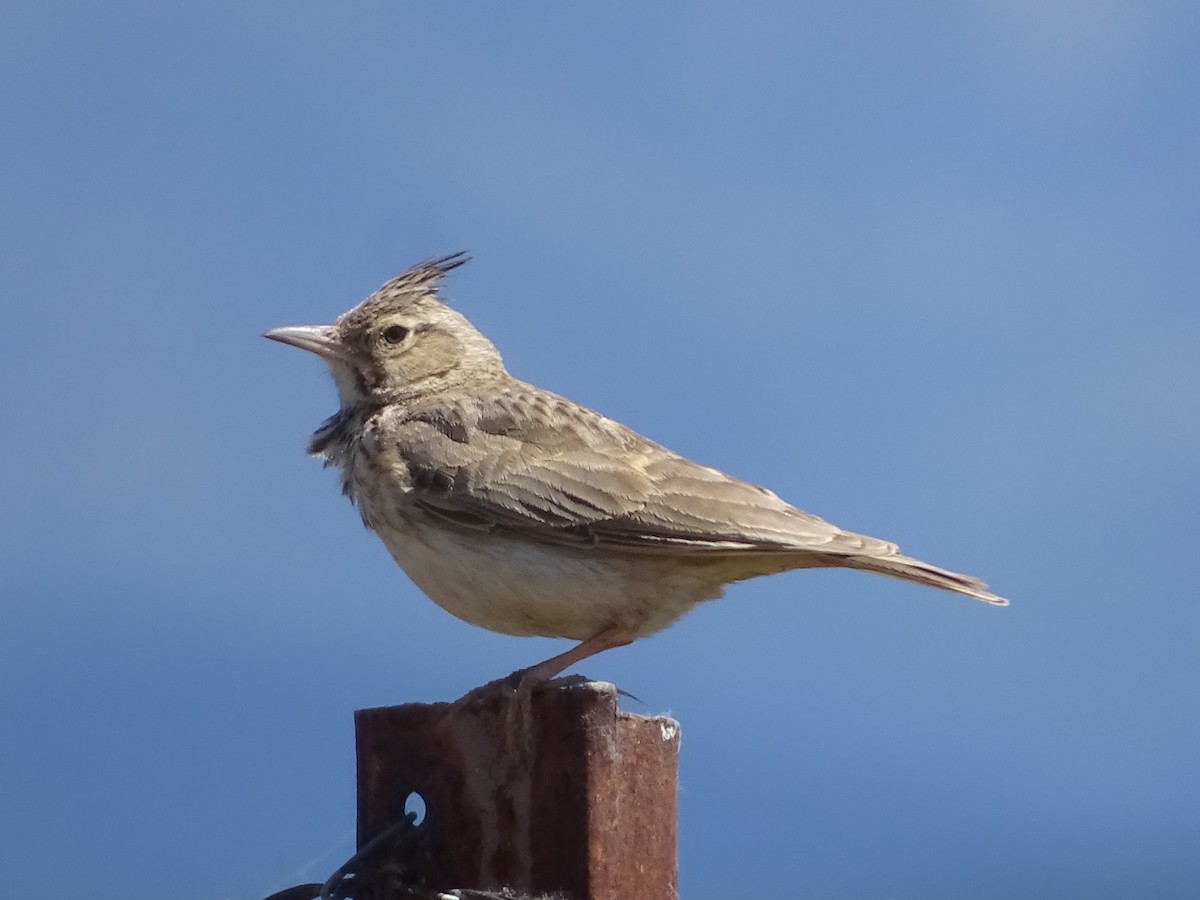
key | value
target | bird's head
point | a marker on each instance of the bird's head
(400, 342)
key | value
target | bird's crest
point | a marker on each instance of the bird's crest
(413, 286)
(428, 273)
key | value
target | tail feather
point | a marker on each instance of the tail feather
(910, 569)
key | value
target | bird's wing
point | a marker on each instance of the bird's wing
(559, 473)
(691, 504)
(512, 468)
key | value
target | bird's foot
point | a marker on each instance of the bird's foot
(516, 685)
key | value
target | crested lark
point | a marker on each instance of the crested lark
(522, 512)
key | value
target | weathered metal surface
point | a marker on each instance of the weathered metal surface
(555, 792)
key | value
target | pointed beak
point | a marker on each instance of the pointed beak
(318, 339)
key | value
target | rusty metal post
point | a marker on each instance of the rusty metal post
(560, 792)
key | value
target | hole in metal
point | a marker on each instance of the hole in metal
(415, 803)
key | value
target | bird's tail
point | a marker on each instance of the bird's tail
(923, 573)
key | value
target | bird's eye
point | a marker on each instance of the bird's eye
(394, 334)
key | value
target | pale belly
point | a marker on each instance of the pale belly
(516, 587)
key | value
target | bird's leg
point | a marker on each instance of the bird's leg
(515, 691)
(523, 681)
(607, 639)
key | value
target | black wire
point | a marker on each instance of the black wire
(331, 889)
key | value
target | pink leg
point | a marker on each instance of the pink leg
(606, 640)
(523, 681)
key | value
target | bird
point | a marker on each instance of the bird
(522, 512)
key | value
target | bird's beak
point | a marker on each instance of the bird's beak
(318, 339)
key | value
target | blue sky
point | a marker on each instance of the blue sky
(927, 270)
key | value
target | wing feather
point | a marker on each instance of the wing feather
(563, 474)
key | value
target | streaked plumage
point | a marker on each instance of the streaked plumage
(522, 512)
